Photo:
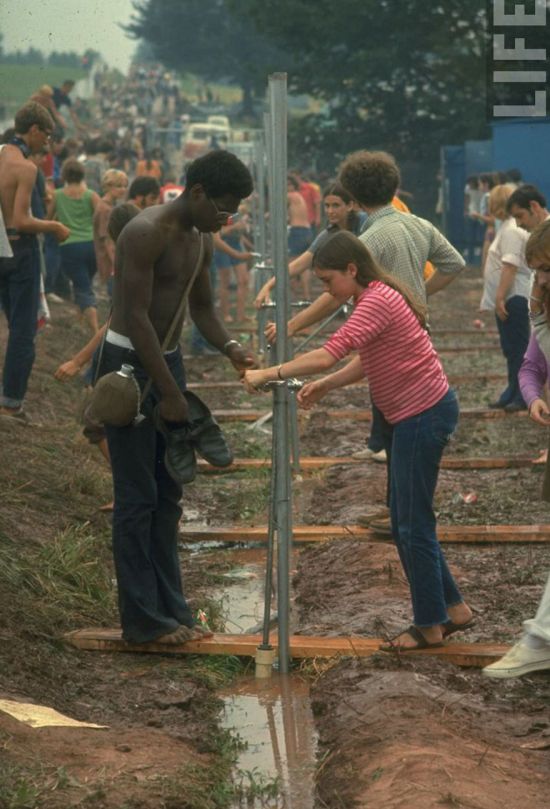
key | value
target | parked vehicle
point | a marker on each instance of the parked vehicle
(219, 120)
(201, 137)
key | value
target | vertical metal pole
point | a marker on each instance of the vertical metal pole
(293, 418)
(278, 210)
(259, 158)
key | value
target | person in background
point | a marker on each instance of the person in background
(144, 192)
(528, 207)
(149, 168)
(114, 185)
(311, 194)
(229, 256)
(171, 189)
(341, 214)
(506, 290)
(20, 271)
(74, 205)
(532, 651)
(300, 234)
(96, 162)
(62, 99)
(93, 431)
(44, 96)
(472, 203)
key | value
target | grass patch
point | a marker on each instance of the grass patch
(19, 82)
(66, 581)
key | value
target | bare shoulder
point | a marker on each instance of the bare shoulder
(141, 233)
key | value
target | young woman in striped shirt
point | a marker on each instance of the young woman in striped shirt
(387, 329)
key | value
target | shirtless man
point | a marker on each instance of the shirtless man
(299, 231)
(156, 256)
(20, 274)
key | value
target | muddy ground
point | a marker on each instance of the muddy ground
(414, 734)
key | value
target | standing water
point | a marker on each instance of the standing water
(271, 717)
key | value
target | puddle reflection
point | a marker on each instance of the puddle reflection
(273, 718)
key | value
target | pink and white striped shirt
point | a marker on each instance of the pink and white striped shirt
(403, 369)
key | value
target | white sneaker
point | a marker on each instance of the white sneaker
(520, 660)
(370, 455)
(53, 298)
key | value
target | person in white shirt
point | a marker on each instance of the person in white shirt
(506, 290)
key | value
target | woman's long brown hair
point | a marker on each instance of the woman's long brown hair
(344, 248)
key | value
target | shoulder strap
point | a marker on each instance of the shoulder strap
(183, 302)
(179, 312)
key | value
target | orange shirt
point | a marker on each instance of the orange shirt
(153, 171)
(399, 205)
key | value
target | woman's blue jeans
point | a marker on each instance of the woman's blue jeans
(146, 515)
(79, 265)
(417, 446)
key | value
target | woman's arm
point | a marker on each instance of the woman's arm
(295, 267)
(73, 366)
(314, 391)
(313, 362)
(533, 372)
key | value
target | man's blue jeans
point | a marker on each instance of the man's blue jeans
(514, 333)
(417, 446)
(19, 295)
(146, 516)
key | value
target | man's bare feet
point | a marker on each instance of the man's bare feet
(183, 634)
(107, 507)
(203, 631)
(543, 457)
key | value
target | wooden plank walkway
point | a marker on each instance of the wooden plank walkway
(484, 534)
(312, 463)
(301, 646)
(359, 414)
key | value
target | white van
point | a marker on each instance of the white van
(200, 137)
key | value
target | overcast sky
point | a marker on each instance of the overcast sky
(68, 25)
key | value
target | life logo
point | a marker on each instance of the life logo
(517, 60)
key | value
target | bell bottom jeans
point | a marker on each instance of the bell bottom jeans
(146, 516)
(514, 333)
(417, 445)
(19, 297)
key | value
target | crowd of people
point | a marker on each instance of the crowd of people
(66, 207)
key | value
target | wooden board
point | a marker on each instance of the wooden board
(312, 463)
(485, 534)
(358, 414)
(301, 646)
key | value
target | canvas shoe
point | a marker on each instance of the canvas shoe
(520, 660)
(205, 433)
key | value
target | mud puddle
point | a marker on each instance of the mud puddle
(274, 721)
(272, 717)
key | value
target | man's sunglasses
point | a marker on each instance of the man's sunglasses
(224, 216)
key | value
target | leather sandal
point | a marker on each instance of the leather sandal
(416, 635)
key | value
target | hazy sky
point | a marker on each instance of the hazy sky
(68, 25)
